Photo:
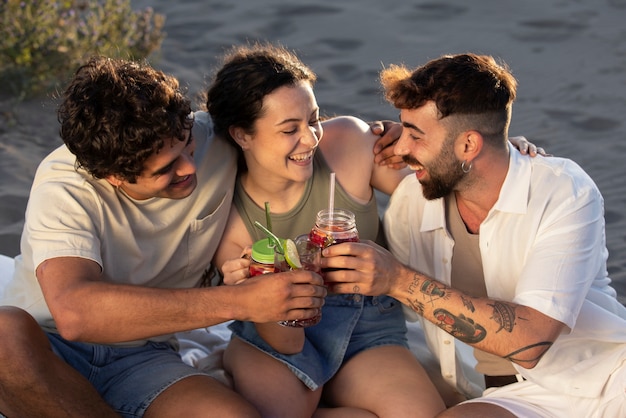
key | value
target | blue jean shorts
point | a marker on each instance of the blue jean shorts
(127, 378)
(350, 324)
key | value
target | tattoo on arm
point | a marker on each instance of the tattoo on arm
(429, 289)
(504, 315)
(433, 290)
(467, 302)
(413, 284)
(512, 356)
(416, 305)
(465, 329)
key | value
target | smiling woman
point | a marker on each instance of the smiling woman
(291, 129)
(262, 100)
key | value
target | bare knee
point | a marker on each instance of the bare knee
(23, 339)
(476, 410)
(18, 324)
(13, 319)
(201, 396)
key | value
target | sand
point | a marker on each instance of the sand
(569, 57)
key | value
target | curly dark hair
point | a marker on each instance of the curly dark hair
(117, 113)
(248, 74)
(475, 89)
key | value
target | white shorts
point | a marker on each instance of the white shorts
(529, 400)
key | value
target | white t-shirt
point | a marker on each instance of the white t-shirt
(543, 246)
(158, 242)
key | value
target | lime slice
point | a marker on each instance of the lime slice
(291, 254)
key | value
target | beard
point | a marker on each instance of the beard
(444, 174)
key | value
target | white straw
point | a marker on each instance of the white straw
(331, 197)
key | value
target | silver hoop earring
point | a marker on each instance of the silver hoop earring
(468, 168)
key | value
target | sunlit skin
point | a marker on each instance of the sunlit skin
(426, 148)
(169, 173)
(279, 155)
(280, 151)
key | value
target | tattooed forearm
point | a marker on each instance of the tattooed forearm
(465, 329)
(416, 305)
(538, 348)
(504, 315)
(413, 284)
(433, 290)
(467, 302)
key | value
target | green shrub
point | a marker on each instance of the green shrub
(42, 42)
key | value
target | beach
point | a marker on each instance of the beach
(569, 58)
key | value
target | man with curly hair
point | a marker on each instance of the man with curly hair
(121, 225)
(500, 251)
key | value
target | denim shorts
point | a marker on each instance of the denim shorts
(350, 323)
(127, 378)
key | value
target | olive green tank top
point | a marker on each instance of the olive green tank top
(301, 218)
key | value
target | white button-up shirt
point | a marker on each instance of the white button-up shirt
(543, 246)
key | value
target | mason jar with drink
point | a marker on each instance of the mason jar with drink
(334, 226)
(273, 255)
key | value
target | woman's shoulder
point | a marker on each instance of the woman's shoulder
(346, 125)
(347, 136)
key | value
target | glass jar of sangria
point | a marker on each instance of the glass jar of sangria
(334, 227)
(265, 259)
(309, 255)
(262, 258)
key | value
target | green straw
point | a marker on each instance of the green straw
(268, 218)
(273, 238)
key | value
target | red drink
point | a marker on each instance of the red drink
(302, 323)
(262, 260)
(311, 266)
(257, 269)
(266, 260)
(334, 235)
(310, 259)
(333, 228)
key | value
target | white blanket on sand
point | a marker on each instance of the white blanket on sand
(203, 348)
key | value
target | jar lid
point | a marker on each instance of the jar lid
(263, 251)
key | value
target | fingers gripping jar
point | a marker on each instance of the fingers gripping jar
(264, 260)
